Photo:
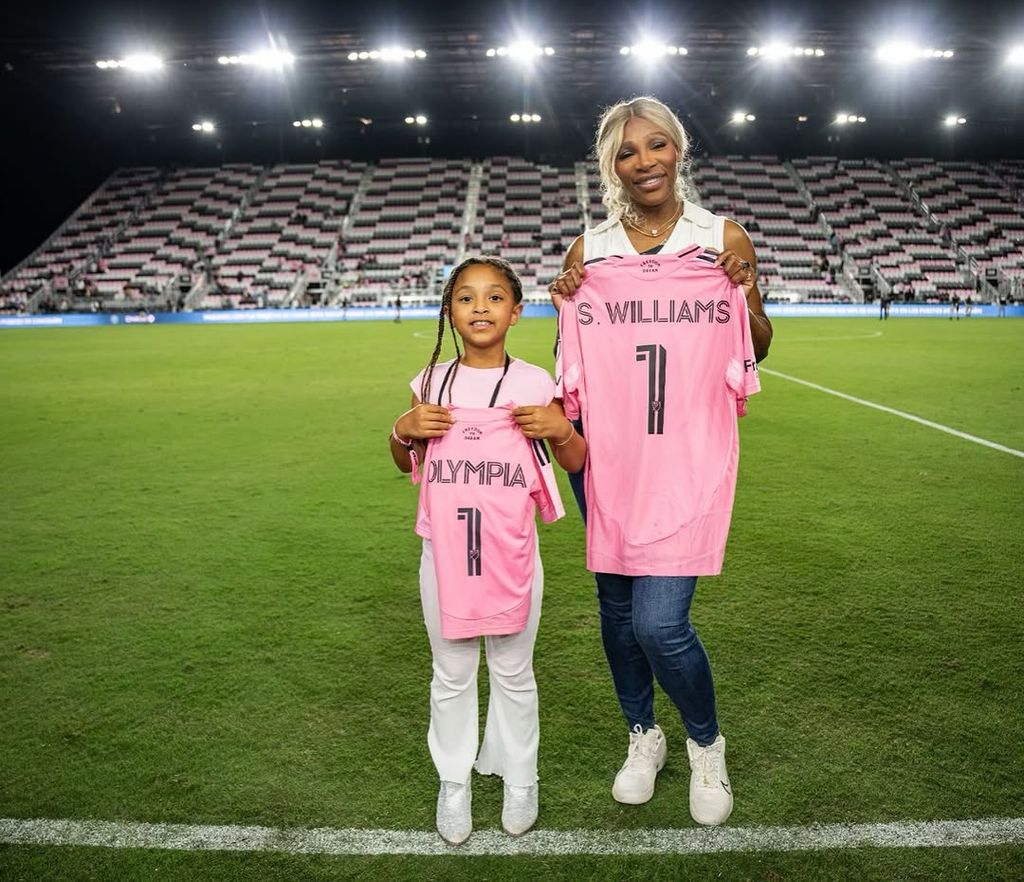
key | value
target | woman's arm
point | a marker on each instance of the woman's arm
(738, 247)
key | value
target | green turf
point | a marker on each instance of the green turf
(209, 610)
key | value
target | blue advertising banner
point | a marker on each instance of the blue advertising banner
(272, 316)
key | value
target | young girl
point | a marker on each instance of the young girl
(477, 427)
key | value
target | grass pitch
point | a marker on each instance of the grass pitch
(209, 608)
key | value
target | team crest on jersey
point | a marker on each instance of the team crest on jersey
(649, 266)
(472, 433)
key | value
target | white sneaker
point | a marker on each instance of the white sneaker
(635, 782)
(710, 791)
(454, 812)
(519, 810)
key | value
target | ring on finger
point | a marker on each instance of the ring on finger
(745, 264)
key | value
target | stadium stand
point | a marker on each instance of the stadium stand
(339, 231)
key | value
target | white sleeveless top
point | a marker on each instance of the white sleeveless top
(697, 226)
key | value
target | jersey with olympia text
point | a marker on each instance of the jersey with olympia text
(656, 357)
(480, 486)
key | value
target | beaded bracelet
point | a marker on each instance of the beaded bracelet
(396, 437)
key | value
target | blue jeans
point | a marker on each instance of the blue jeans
(646, 631)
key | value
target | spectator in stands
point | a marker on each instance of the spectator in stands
(642, 153)
(824, 267)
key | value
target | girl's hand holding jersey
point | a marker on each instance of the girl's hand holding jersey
(424, 421)
(543, 421)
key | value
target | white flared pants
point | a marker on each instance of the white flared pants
(512, 733)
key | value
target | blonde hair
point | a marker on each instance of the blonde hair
(609, 139)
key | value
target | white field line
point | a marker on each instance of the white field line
(900, 413)
(190, 837)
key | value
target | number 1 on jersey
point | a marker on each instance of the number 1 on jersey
(472, 518)
(655, 357)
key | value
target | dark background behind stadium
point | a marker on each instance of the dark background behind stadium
(68, 125)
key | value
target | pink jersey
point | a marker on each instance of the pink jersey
(482, 482)
(655, 353)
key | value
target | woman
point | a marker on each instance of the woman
(642, 151)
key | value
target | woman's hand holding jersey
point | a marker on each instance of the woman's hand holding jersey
(739, 270)
(566, 283)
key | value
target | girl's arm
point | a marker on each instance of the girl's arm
(549, 421)
(412, 429)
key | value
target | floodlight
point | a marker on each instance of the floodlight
(353, 56)
(421, 120)
(197, 127)
(514, 117)
(739, 116)
(204, 126)
(902, 52)
(143, 62)
(271, 59)
(524, 50)
(649, 50)
(779, 51)
(317, 123)
(140, 63)
(297, 123)
(409, 120)
(801, 118)
(1015, 56)
(306, 123)
(953, 120)
(536, 117)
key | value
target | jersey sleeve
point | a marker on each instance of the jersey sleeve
(545, 489)
(568, 357)
(741, 374)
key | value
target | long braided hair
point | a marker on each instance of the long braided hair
(502, 266)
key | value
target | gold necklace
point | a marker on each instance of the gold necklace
(656, 230)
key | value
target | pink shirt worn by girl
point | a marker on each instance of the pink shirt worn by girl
(482, 483)
(656, 356)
